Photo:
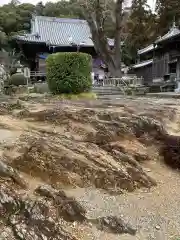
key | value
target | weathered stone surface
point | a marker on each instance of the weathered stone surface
(67, 207)
(114, 225)
(73, 144)
(30, 219)
(46, 191)
(8, 171)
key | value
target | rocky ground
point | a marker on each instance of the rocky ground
(101, 169)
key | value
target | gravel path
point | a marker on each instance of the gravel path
(155, 212)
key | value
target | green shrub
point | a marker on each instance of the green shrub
(69, 72)
(17, 79)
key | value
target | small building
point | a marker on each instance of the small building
(49, 35)
(159, 63)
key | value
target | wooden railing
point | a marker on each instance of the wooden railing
(37, 74)
(126, 81)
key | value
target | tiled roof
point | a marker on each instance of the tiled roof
(173, 32)
(59, 32)
(146, 49)
(143, 64)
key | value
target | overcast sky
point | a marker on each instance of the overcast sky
(150, 2)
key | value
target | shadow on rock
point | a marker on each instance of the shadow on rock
(113, 225)
(30, 219)
(170, 151)
(67, 207)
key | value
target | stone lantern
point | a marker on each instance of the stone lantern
(19, 67)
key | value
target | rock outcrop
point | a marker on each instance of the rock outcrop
(65, 145)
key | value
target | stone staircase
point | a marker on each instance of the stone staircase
(106, 90)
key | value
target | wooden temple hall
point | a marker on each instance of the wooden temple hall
(49, 35)
(159, 63)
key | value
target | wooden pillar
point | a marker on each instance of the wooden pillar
(178, 75)
(178, 69)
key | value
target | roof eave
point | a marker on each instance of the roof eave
(144, 52)
(167, 39)
(51, 45)
(55, 45)
(143, 64)
(147, 49)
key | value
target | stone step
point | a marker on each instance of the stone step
(109, 94)
(106, 90)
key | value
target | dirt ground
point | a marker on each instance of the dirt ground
(102, 154)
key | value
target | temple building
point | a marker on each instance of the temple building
(159, 63)
(49, 35)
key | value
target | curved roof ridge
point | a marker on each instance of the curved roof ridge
(63, 20)
(173, 32)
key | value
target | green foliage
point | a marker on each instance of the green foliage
(62, 9)
(69, 72)
(168, 12)
(3, 39)
(128, 54)
(17, 79)
(142, 27)
(15, 17)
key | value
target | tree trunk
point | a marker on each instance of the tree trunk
(114, 71)
(111, 57)
(108, 55)
(117, 39)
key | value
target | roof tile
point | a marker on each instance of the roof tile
(58, 31)
(173, 32)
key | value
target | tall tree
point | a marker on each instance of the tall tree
(141, 27)
(14, 18)
(62, 9)
(3, 40)
(168, 12)
(14, 2)
(96, 12)
(39, 9)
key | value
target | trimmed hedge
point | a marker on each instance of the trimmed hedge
(17, 79)
(69, 72)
